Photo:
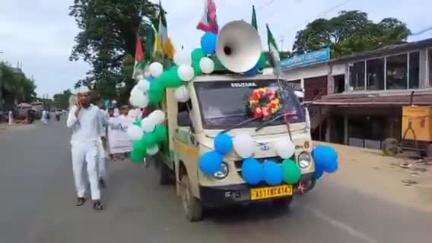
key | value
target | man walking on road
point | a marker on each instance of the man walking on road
(84, 119)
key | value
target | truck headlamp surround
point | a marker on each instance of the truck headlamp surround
(304, 160)
(223, 173)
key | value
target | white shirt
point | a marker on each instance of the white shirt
(87, 126)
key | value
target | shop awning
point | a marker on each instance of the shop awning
(398, 98)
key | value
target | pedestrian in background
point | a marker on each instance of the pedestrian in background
(84, 120)
(44, 117)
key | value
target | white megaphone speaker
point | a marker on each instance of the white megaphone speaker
(239, 46)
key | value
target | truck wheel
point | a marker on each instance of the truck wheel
(191, 205)
(390, 147)
(429, 150)
(165, 174)
(282, 202)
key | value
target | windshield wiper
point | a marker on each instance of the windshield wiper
(266, 123)
(242, 123)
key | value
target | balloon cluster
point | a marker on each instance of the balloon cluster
(270, 171)
(253, 171)
(326, 160)
(211, 161)
(147, 135)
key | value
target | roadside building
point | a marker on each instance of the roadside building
(358, 99)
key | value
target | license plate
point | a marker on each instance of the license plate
(271, 192)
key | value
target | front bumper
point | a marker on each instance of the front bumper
(233, 194)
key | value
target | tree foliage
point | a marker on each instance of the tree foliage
(107, 40)
(350, 32)
(15, 87)
(61, 100)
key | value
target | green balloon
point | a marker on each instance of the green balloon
(139, 145)
(161, 133)
(137, 156)
(156, 92)
(150, 139)
(170, 78)
(196, 55)
(291, 171)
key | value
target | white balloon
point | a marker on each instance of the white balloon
(244, 145)
(134, 132)
(207, 65)
(143, 85)
(147, 125)
(156, 69)
(157, 116)
(182, 94)
(153, 150)
(182, 57)
(284, 148)
(138, 99)
(185, 72)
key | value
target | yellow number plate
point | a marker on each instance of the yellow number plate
(270, 192)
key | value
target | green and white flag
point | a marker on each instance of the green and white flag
(254, 18)
(273, 50)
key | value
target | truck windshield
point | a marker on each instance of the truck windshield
(225, 103)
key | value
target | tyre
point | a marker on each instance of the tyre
(191, 205)
(390, 147)
(165, 175)
(429, 150)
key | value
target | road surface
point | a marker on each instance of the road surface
(37, 205)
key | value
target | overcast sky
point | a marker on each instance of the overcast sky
(40, 33)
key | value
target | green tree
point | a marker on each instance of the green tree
(350, 32)
(15, 87)
(107, 40)
(61, 100)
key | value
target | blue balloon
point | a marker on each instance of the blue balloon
(326, 158)
(318, 173)
(254, 71)
(223, 143)
(208, 43)
(252, 171)
(272, 172)
(210, 162)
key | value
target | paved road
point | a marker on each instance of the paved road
(37, 205)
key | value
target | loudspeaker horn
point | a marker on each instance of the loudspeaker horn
(239, 46)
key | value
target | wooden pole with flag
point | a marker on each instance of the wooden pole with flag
(139, 58)
(273, 50)
(208, 21)
(254, 18)
(164, 42)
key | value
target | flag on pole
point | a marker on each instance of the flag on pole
(254, 18)
(163, 42)
(273, 50)
(208, 21)
(139, 58)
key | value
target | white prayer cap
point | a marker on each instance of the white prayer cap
(81, 90)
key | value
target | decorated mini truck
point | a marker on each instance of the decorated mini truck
(246, 165)
(225, 131)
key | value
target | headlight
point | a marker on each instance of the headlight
(304, 160)
(222, 173)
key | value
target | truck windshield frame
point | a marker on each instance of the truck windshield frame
(223, 104)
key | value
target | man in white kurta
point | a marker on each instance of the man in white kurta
(84, 119)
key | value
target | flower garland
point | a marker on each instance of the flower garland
(264, 102)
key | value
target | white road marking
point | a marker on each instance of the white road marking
(341, 225)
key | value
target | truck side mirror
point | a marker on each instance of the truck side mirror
(183, 119)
